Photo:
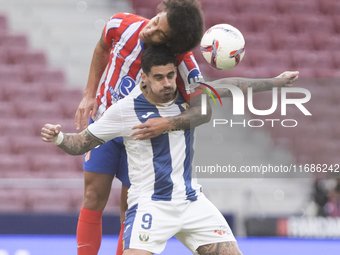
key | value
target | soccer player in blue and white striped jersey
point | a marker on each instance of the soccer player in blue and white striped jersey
(164, 200)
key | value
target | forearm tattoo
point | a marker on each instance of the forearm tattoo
(226, 248)
(258, 85)
(78, 144)
(191, 117)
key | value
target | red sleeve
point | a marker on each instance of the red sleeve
(117, 24)
(189, 76)
(111, 27)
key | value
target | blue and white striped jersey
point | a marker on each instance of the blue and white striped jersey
(159, 168)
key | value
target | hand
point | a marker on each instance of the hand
(50, 132)
(151, 128)
(86, 105)
(288, 78)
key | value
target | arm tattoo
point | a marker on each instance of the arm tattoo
(258, 85)
(77, 144)
(191, 117)
(226, 248)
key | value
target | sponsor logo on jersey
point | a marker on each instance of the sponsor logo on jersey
(194, 78)
(147, 115)
(126, 86)
(87, 156)
(144, 236)
(222, 230)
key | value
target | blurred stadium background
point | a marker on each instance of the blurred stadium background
(45, 53)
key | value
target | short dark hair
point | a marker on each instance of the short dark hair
(186, 22)
(157, 55)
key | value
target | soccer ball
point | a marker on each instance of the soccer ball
(222, 46)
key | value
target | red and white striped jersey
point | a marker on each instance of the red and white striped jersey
(124, 69)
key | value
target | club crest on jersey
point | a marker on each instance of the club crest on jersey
(87, 156)
(126, 86)
(194, 78)
(222, 230)
(144, 236)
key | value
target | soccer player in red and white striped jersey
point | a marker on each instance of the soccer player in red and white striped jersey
(180, 26)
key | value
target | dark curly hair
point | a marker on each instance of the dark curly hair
(185, 19)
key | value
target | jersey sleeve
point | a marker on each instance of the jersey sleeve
(110, 125)
(189, 76)
(111, 27)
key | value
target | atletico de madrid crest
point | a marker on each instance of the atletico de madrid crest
(144, 237)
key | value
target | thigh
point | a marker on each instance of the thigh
(225, 248)
(148, 226)
(136, 252)
(108, 158)
(203, 224)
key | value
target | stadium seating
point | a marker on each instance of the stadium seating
(32, 94)
(297, 7)
(13, 200)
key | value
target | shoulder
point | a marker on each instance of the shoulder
(127, 18)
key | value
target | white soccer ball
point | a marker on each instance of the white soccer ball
(222, 46)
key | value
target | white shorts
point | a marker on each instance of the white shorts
(148, 225)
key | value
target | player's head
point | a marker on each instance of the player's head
(180, 25)
(159, 73)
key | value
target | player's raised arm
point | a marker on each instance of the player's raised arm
(73, 144)
(286, 79)
(100, 59)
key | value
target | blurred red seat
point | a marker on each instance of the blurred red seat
(36, 110)
(43, 75)
(264, 23)
(29, 145)
(3, 24)
(146, 12)
(27, 57)
(326, 41)
(56, 165)
(7, 110)
(336, 20)
(305, 72)
(14, 166)
(265, 58)
(311, 23)
(3, 56)
(69, 99)
(13, 200)
(296, 7)
(286, 41)
(255, 41)
(309, 146)
(254, 6)
(327, 73)
(329, 6)
(305, 58)
(14, 126)
(5, 143)
(12, 41)
(49, 200)
(19, 92)
(12, 73)
(145, 3)
(239, 20)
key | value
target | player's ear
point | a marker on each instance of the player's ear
(144, 77)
